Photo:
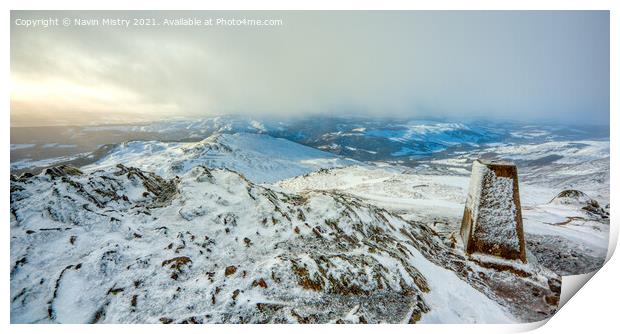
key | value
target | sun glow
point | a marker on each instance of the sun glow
(46, 100)
(60, 91)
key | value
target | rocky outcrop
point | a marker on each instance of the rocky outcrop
(580, 199)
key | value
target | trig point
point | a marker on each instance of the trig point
(492, 222)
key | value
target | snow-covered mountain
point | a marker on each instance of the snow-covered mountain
(119, 244)
(260, 158)
(245, 227)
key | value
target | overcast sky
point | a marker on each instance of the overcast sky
(528, 66)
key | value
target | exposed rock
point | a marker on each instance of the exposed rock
(165, 320)
(177, 262)
(580, 199)
(230, 270)
(261, 282)
(572, 196)
(164, 190)
(58, 171)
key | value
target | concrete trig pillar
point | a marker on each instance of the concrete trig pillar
(492, 222)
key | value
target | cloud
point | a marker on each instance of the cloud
(514, 65)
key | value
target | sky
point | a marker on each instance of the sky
(544, 66)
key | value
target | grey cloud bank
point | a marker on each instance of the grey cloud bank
(532, 66)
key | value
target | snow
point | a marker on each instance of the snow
(478, 174)
(547, 219)
(21, 146)
(29, 163)
(454, 301)
(77, 298)
(549, 167)
(441, 133)
(388, 187)
(534, 133)
(495, 220)
(57, 145)
(435, 195)
(196, 126)
(208, 221)
(258, 157)
(408, 151)
(313, 209)
(570, 152)
(258, 125)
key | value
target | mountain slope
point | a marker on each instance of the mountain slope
(119, 244)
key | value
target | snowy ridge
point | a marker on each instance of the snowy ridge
(258, 157)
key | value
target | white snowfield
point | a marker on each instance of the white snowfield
(322, 239)
(389, 187)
